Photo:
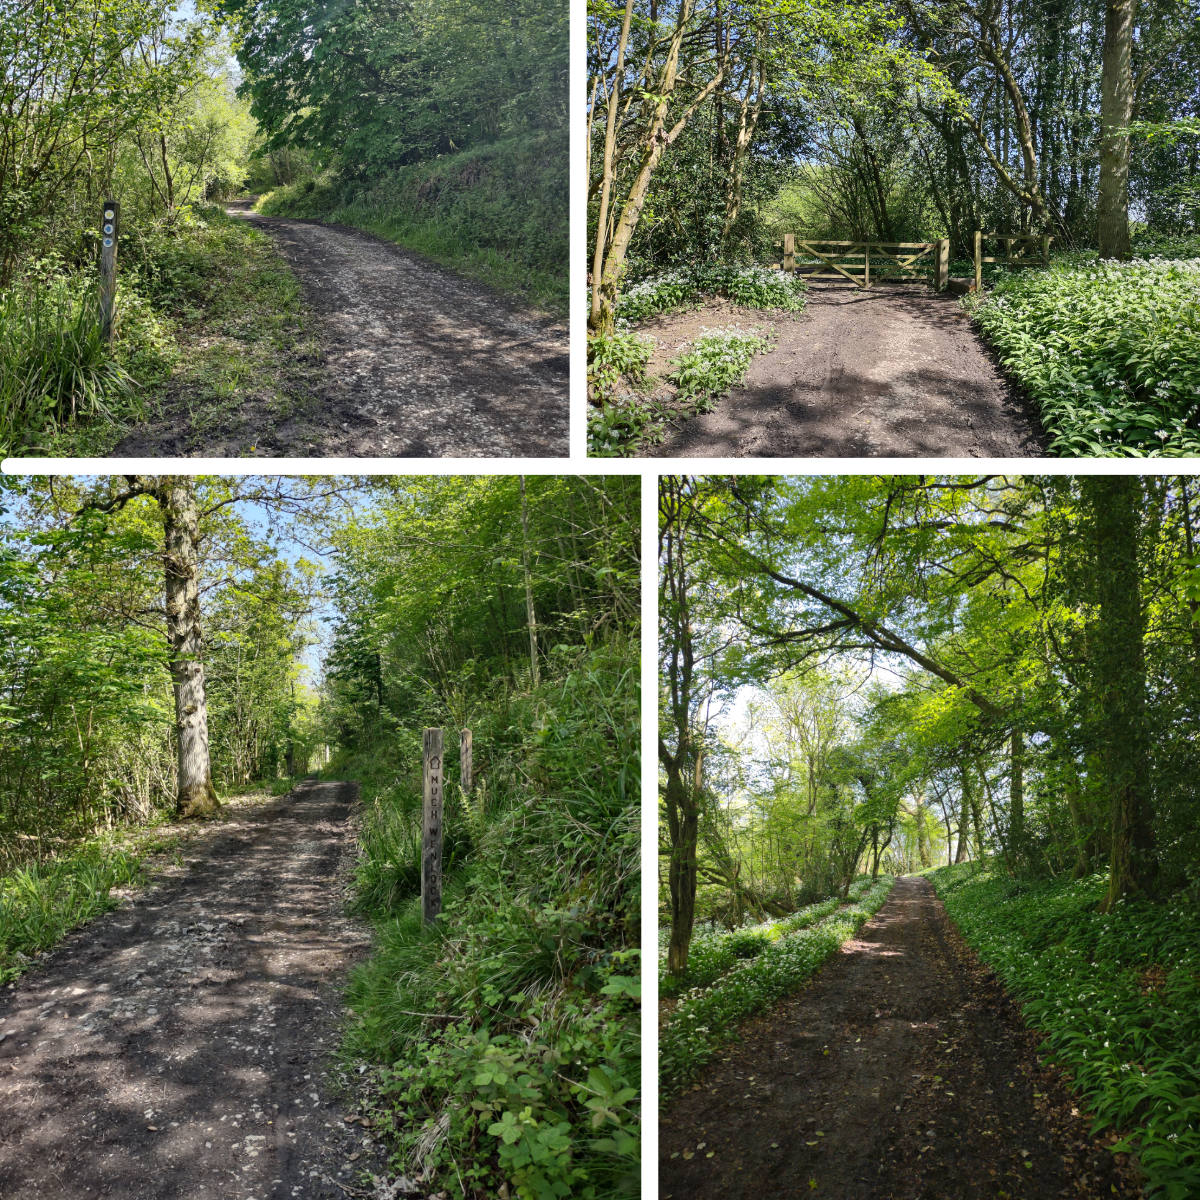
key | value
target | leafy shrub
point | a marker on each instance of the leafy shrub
(1109, 351)
(751, 287)
(1117, 995)
(611, 358)
(41, 902)
(715, 362)
(704, 1018)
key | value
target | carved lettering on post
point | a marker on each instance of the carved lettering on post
(464, 761)
(109, 217)
(431, 843)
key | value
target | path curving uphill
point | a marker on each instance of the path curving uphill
(896, 371)
(413, 361)
(179, 1047)
(902, 1072)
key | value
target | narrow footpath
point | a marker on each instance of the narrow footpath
(181, 1046)
(902, 1072)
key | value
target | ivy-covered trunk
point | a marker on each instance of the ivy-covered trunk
(1118, 671)
(176, 495)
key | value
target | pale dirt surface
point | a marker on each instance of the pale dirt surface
(896, 371)
(903, 1071)
(181, 1046)
(413, 361)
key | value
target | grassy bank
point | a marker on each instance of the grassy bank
(1117, 996)
(497, 213)
(207, 312)
(505, 1039)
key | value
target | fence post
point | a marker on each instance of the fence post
(978, 259)
(110, 215)
(431, 841)
(789, 251)
(464, 761)
(866, 264)
(1045, 249)
(942, 273)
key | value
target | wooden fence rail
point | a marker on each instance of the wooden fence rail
(1018, 251)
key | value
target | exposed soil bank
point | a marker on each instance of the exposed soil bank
(897, 371)
(180, 1046)
(903, 1072)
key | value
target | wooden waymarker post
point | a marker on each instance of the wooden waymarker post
(978, 260)
(431, 842)
(464, 761)
(789, 252)
(109, 217)
(942, 266)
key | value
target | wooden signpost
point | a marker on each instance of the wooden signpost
(110, 215)
(464, 761)
(431, 842)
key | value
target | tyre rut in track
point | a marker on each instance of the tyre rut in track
(903, 1072)
(180, 1047)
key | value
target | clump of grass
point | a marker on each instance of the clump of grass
(55, 367)
(41, 902)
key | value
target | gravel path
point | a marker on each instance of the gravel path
(903, 1072)
(415, 361)
(897, 371)
(179, 1047)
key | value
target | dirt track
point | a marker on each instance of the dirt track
(414, 362)
(903, 1072)
(178, 1047)
(896, 371)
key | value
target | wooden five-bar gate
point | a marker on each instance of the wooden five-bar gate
(860, 262)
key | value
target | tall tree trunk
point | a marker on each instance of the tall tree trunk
(176, 496)
(1116, 109)
(964, 809)
(1119, 675)
(1016, 793)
